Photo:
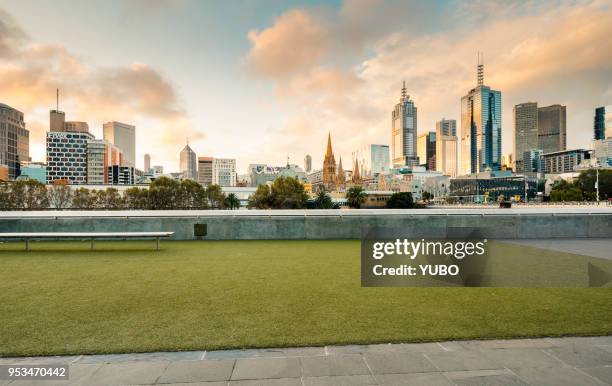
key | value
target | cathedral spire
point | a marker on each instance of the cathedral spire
(329, 151)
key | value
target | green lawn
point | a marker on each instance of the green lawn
(61, 298)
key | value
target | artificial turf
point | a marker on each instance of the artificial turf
(61, 298)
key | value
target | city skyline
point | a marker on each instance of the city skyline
(292, 99)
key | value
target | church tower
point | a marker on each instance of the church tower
(356, 174)
(329, 167)
(341, 177)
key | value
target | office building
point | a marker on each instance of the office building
(120, 175)
(124, 137)
(158, 170)
(14, 140)
(147, 163)
(96, 162)
(308, 163)
(188, 165)
(426, 150)
(224, 171)
(602, 152)
(67, 156)
(34, 171)
(603, 123)
(481, 118)
(205, 170)
(76, 127)
(525, 131)
(551, 129)
(262, 174)
(488, 186)
(404, 132)
(532, 163)
(371, 160)
(446, 147)
(565, 161)
(507, 162)
(447, 127)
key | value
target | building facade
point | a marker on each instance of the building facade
(308, 163)
(371, 160)
(446, 147)
(123, 136)
(329, 167)
(525, 131)
(35, 171)
(564, 161)
(205, 170)
(481, 126)
(120, 175)
(426, 150)
(224, 171)
(487, 187)
(602, 152)
(404, 132)
(67, 156)
(188, 165)
(147, 163)
(532, 163)
(14, 140)
(551, 129)
(603, 123)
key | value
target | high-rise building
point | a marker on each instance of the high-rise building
(67, 156)
(224, 171)
(96, 162)
(602, 151)
(147, 163)
(34, 171)
(603, 123)
(188, 163)
(372, 160)
(329, 167)
(76, 127)
(532, 163)
(525, 131)
(564, 161)
(481, 118)
(124, 137)
(120, 175)
(205, 170)
(426, 150)
(14, 140)
(404, 132)
(551, 129)
(308, 163)
(57, 119)
(446, 147)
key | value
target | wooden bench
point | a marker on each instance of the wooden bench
(84, 235)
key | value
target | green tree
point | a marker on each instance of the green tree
(29, 194)
(261, 199)
(586, 183)
(83, 199)
(109, 199)
(288, 193)
(324, 200)
(427, 196)
(6, 202)
(164, 193)
(232, 202)
(60, 196)
(565, 191)
(401, 200)
(136, 198)
(215, 196)
(192, 195)
(356, 196)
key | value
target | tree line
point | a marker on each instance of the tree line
(582, 188)
(163, 193)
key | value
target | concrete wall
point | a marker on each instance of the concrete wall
(324, 224)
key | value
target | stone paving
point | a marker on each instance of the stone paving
(547, 361)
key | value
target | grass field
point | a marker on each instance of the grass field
(61, 298)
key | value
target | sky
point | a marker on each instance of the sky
(263, 81)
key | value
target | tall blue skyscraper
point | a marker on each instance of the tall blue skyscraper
(481, 118)
(404, 132)
(603, 122)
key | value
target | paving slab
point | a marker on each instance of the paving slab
(526, 357)
(130, 373)
(268, 382)
(265, 353)
(462, 360)
(399, 363)
(415, 379)
(492, 380)
(138, 357)
(510, 343)
(551, 376)
(197, 371)
(342, 380)
(582, 356)
(63, 360)
(334, 365)
(262, 368)
(603, 373)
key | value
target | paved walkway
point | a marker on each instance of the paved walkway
(596, 247)
(549, 361)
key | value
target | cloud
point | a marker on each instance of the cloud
(137, 94)
(295, 42)
(550, 53)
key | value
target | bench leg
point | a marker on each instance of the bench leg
(92, 244)
(27, 242)
(157, 243)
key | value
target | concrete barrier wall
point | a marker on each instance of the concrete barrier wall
(324, 224)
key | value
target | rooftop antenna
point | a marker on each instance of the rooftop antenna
(57, 99)
(480, 68)
(404, 94)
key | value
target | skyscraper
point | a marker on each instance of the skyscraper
(205, 170)
(404, 132)
(308, 163)
(551, 129)
(426, 150)
(14, 140)
(525, 131)
(224, 171)
(329, 167)
(188, 163)
(446, 147)
(372, 160)
(123, 136)
(481, 117)
(147, 163)
(603, 123)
